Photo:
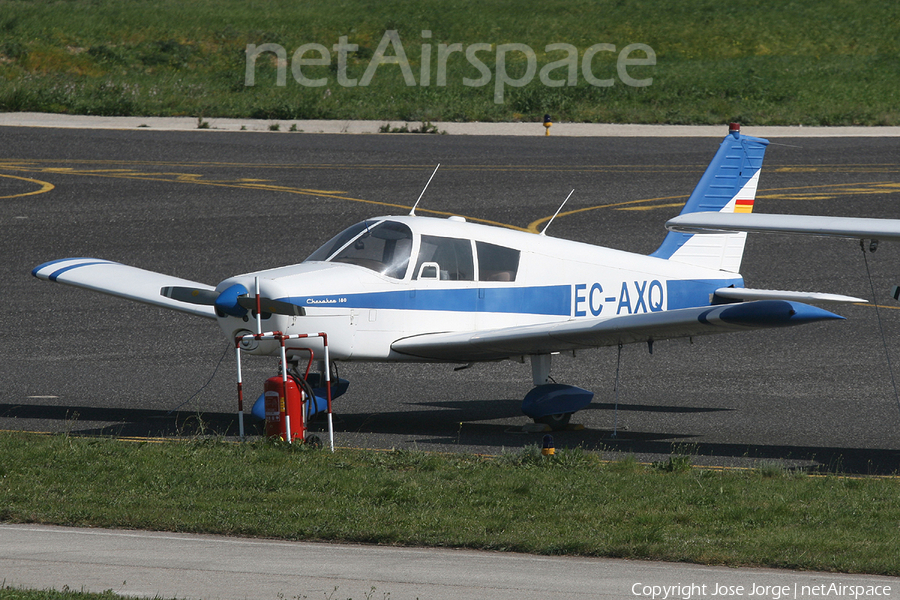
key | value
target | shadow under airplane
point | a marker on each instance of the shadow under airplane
(465, 424)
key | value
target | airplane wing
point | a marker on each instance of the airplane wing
(123, 281)
(850, 227)
(502, 343)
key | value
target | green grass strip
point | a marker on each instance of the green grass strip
(766, 62)
(572, 503)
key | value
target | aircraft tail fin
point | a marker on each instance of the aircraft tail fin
(727, 186)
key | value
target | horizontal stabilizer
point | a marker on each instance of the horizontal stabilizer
(744, 294)
(849, 227)
(120, 280)
(547, 338)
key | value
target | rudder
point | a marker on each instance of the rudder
(727, 186)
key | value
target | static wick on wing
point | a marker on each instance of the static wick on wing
(544, 230)
(412, 212)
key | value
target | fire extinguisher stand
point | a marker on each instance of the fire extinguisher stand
(282, 338)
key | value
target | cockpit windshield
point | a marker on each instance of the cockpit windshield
(382, 246)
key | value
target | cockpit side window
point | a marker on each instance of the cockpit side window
(447, 259)
(496, 263)
(383, 246)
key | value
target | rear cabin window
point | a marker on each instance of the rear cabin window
(383, 246)
(445, 258)
(496, 263)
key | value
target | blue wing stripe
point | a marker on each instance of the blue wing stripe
(43, 266)
(55, 275)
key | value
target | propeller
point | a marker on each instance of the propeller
(234, 300)
(190, 295)
(277, 307)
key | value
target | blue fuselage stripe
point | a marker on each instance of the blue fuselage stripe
(687, 293)
(540, 300)
(553, 300)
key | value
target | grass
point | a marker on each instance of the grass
(572, 503)
(764, 62)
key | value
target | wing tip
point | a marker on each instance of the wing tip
(51, 270)
(775, 313)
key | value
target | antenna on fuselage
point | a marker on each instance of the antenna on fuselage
(544, 230)
(412, 213)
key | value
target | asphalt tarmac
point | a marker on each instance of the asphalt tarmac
(205, 205)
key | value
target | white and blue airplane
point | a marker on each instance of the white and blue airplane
(412, 288)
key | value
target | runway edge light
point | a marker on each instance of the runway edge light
(548, 448)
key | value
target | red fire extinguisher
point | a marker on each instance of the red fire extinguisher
(284, 409)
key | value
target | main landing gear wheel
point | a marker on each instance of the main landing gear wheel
(557, 422)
